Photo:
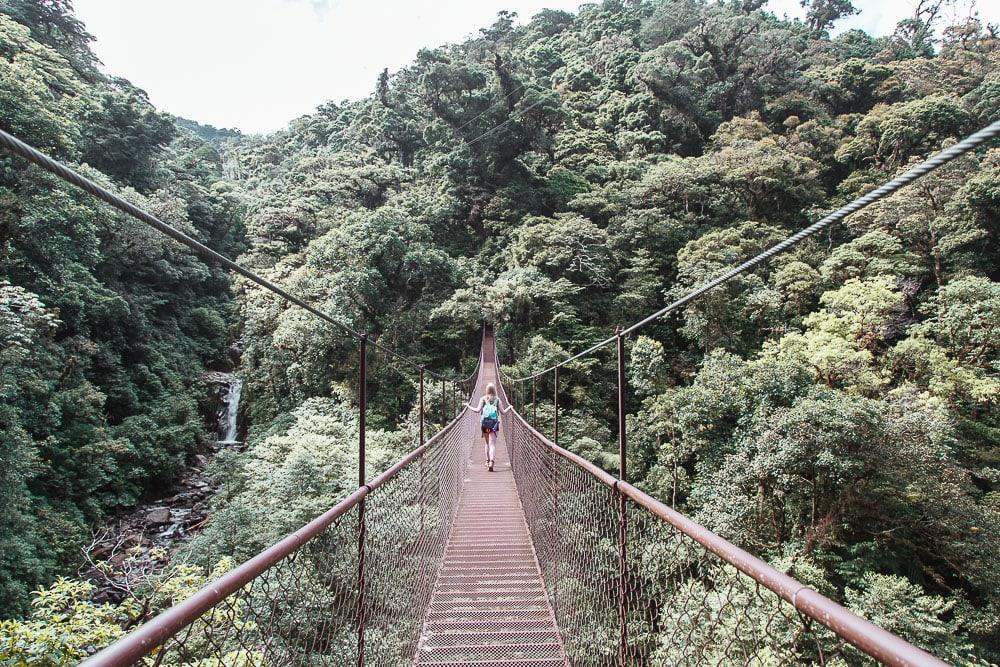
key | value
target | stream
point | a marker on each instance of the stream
(131, 540)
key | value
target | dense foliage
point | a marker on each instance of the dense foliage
(835, 411)
(837, 408)
(105, 324)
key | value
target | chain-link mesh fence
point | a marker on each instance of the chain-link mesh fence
(369, 563)
(408, 520)
(682, 604)
(628, 587)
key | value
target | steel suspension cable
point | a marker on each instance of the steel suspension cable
(40, 159)
(520, 88)
(509, 120)
(940, 159)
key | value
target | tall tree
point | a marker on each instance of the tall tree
(822, 14)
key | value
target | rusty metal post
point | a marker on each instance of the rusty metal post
(558, 549)
(444, 404)
(555, 410)
(422, 456)
(534, 402)
(622, 388)
(362, 408)
(622, 471)
(362, 481)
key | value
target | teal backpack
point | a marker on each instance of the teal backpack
(490, 418)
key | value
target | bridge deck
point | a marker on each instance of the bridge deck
(489, 605)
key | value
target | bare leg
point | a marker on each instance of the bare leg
(491, 454)
(486, 447)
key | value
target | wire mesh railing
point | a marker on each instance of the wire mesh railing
(628, 587)
(300, 611)
(349, 588)
(687, 605)
(633, 582)
(408, 520)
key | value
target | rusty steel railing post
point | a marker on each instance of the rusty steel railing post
(422, 456)
(362, 481)
(444, 403)
(558, 550)
(622, 471)
(534, 403)
(555, 410)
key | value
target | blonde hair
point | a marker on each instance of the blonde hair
(490, 389)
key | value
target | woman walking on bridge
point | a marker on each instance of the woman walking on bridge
(489, 408)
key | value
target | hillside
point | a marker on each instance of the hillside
(106, 326)
(835, 412)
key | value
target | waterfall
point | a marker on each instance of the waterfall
(229, 411)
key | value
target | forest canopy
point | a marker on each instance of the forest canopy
(836, 409)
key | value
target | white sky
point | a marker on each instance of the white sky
(257, 64)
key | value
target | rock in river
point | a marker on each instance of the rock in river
(158, 516)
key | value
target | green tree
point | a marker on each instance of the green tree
(822, 14)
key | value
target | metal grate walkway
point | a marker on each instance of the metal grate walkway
(489, 605)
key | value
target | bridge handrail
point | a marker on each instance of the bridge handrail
(863, 634)
(155, 632)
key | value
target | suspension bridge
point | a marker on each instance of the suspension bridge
(547, 560)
